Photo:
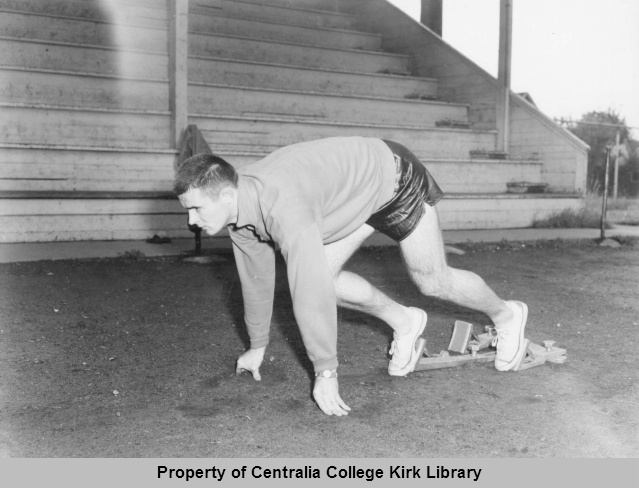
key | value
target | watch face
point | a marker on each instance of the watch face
(326, 374)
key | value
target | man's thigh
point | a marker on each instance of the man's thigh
(423, 250)
(338, 252)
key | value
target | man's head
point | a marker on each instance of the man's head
(207, 187)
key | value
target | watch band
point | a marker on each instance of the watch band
(327, 373)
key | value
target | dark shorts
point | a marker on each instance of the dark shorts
(414, 186)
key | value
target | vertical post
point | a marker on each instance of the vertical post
(432, 15)
(615, 183)
(503, 76)
(604, 203)
(178, 64)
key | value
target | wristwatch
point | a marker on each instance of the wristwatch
(327, 373)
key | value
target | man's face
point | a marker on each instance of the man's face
(208, 213)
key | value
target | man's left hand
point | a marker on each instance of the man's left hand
(251, 361)
(326, 394)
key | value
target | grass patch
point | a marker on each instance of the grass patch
(582, 218)
(514, 246)
(586, 217)
(589, 215)
(132, 255)
(628, 241)
(621, 203)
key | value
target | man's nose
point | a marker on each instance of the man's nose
(192, 218)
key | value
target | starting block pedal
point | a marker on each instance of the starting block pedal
(462, 333)
(466, 347)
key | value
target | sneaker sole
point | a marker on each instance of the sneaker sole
(414, 357)
(522, 343)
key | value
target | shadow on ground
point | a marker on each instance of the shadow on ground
(135, 358)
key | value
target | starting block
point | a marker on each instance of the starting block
(537, 355)
(466, 347)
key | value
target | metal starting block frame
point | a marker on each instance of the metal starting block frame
(537, 355)
(466, 347)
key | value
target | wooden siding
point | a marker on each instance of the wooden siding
(535, 135)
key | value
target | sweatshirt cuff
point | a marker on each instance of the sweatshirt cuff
(325, 364)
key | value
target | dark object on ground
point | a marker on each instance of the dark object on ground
(608, 243)
(156, 239)
(526, 187)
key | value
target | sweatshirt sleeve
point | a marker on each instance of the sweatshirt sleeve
(313, 293)
(255, 261)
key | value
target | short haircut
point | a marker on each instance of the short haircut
(206, 172)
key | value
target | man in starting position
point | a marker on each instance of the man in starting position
(319, 201)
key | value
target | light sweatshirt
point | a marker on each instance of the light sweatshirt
(302, 197)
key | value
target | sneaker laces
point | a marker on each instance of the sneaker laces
(500, 334)
(393, 349)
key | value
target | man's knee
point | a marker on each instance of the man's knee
(434, 283)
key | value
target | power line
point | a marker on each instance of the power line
(602, 124)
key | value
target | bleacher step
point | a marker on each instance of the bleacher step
(88, 127)
(280, 31)
(82, 58)
(315, 5)
(267, 51)
(229, 100)
(113, 11)
(225, 71)
(58, 168)
(82, 31)
(83, 90)
(297, 15)
(268, 134)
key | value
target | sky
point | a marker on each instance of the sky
(572, 56)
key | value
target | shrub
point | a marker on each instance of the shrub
(132, 255)
(569, 218)
(586, 217)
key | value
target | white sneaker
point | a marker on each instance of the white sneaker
(511, 345)
(404, 355)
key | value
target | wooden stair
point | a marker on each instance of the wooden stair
(85, 150)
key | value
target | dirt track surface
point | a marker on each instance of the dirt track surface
(135, 358)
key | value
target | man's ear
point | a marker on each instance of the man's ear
(227, 193)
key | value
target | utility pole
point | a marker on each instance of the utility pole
(604, 202)
(615, 183)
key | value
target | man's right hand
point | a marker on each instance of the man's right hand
(326, 394)
(251, 361)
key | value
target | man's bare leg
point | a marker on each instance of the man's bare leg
(425, 260)
(356, 293)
